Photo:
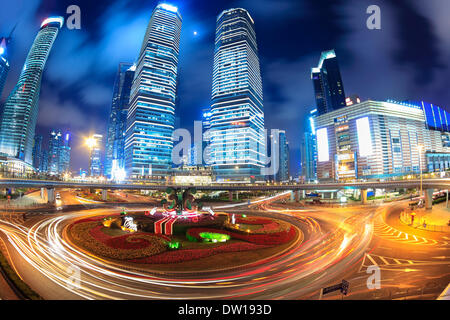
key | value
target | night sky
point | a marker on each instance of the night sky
(407, 59)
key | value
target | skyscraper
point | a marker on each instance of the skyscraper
(114, 152)
(95, 161)
(151, 112)
(237, 143)
(54, 145)
(64, 154)
(21, 108)
(278, 149)
(37, 151)
(327, 82)
(309, 150)
(4, 61)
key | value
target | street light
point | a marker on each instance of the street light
(91, 142)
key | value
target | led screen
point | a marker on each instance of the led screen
(322, 145)
(364, 137)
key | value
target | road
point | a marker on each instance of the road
(337, 244)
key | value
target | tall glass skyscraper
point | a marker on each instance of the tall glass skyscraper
(327, 82)
(4, 63)
(37, 151)
(54, 145)
(114, 153)
(95, 160)
(21, 108)
(237, 140)
(151, 112)
(64, 154)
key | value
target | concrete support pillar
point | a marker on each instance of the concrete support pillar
(297, 195)
(104, 194)
(237, 195)
(429, 198)
(292, 197)
(331, 195)
(303, 194)
(50, 195)
(42, 193)
(364, 196)
(230, 195)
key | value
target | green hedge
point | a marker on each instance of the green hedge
(18, 283)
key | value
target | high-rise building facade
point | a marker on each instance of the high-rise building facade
(309, 150)
(58, 153)
(54, 146)
(4, 61)
(37, 151)
(237, 137)
(115, 144)
(151, 111)
(64, 154)
(95, 159)
(378, 139)
(327, 82)
(21, 108)
(278, 150)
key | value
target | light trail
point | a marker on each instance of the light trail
(325, 254)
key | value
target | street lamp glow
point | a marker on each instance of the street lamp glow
(91, 142)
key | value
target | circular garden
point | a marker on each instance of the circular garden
(202, 243)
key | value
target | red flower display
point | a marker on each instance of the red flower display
(193, 254)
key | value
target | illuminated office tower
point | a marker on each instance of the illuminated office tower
(327, 82)
(309, 150)
(4, 61)
(114, 152)
(54, 145)
(382, 139)
(151, 111)
(21, 108)
(278, 149)
(95, 160)
(237, 140)
(64, 154)
(37, 151)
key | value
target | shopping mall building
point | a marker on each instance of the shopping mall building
(382, 139)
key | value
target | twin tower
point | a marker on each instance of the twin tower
(237, 117)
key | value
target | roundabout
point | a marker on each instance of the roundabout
(320, 251)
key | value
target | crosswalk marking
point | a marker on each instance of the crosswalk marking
(381, 229)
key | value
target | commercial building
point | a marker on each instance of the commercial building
(278, 151)
(54, 145)
(151, 112)
(378, 139)
(21, 108)
(95, 158)
(115, 144)
(309, 150)
(327, 82)
(237, 137)
(37, 151)
(4, 61)
(64, 154)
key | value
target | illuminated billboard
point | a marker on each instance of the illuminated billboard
(364, 137)
(322, 145)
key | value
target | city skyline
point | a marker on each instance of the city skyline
(279, 83)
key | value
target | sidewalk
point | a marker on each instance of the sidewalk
(436, 219)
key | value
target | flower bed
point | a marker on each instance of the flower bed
(193, 254)
(136, 245)
(253, 221)
(275, 238)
